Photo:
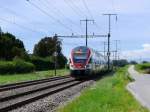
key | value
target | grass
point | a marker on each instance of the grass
(108, 95)
(143, 68)
(11, 78)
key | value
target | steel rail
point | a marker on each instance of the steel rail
(29, 83)
(31, 96)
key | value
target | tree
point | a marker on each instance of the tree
(133, 62)
(123, 62)
(11, 47)
(145, 62)
(47, 46)
(120, 63)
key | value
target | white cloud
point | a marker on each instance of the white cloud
(143, 53)
(146, 47)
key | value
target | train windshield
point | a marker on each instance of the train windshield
(80, 54)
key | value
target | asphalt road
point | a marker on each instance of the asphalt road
(140, 88)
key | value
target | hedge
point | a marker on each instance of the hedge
(47, 63)
(16, 67)
(42, 63)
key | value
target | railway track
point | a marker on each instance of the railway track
(19, 94)
(28, 83)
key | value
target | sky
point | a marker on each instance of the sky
(32, 20)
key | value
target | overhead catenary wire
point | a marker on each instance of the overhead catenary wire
(50, 16)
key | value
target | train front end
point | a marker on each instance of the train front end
(79, 61)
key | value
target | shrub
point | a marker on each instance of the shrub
(61, 60)
(7, 67)
(17, 66)
(23, 67)
(42, 63)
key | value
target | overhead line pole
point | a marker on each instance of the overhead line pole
(116, 53)
(109, 35)
(104, 48)
(86, 23)
(0, 32)
(55, 56)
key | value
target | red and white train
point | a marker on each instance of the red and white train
(84, 60)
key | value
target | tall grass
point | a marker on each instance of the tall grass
(108, 95)
(9, 78)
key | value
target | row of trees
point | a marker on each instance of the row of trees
(12, 48)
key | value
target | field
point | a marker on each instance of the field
(11, 78)
(143, 68)
(108, 95)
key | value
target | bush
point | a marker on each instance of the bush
(7, 67)
(61, 60)
(23, 67)
(42, 63)
(17, 66)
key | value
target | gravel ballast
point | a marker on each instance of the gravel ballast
(51, 103)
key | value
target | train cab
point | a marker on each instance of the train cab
(80, 57)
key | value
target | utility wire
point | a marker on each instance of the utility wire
(44, 12)
(21, 26)
(86, 6)
(77, 8)
(15, 13)
(80, 15)
(74, 10)
(60, 12)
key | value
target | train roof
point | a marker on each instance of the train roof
(92, 50)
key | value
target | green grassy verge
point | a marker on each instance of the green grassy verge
(11, 78)
(143, 68)
(108, 95)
